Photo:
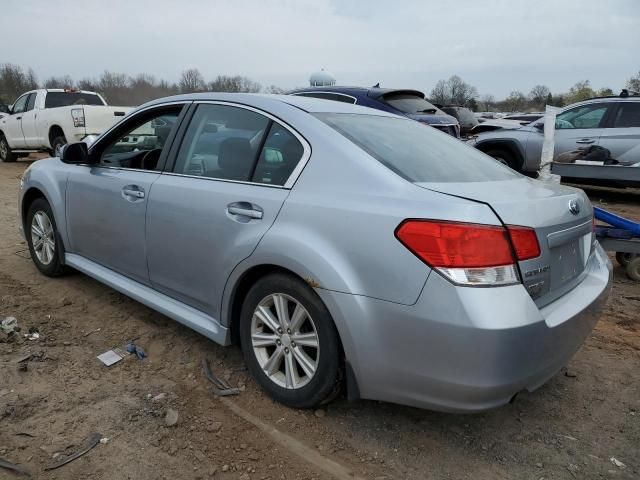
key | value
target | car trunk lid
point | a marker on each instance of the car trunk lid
(561, 217)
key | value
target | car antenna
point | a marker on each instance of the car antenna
(377, 85)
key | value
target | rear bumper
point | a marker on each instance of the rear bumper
(463, 349)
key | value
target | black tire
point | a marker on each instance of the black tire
(54, 267)
(505, 157)
(633, 269)
(624, 258)
(57, 143)
(6, 155)
(324, 385)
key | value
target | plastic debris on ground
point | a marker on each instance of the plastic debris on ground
(137, 350)
(111, 356)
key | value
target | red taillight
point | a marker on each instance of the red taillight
(456, 245)
(525, 242)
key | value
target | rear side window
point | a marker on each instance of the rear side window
(584, 116)
(628, 115)
(415, 151)
(64, 99)
(409, 103)
(281, 153)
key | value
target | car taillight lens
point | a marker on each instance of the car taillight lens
(468, 253)
(78, 117)
(525, 242)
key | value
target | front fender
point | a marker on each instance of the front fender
(49, 177)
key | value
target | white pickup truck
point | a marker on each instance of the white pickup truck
(46, 119)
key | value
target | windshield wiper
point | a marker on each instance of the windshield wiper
(427, 110)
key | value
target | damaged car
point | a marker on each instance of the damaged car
(341, 247)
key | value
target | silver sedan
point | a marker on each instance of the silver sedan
(341, 247)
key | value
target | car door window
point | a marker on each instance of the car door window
(139, 144)
(585, 116)
(31, 101)
(280, 155)
(20, 104)
(222, 142)
(628, 115)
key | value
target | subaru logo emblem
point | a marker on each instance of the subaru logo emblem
(574, 207)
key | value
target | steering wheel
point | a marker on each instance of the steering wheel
(150, 159)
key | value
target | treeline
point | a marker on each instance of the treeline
(125, 90)
(455, 91)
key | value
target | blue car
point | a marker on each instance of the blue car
(408, 103)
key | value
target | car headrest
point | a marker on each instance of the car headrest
(235, 158)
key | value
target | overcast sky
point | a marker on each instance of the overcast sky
(496, 45)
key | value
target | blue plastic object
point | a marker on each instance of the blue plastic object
(139, 351)
(616, 220)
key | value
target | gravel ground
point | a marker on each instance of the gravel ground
(573, 427)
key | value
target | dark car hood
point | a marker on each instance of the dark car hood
(433, 119)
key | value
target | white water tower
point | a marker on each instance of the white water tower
(322, 79)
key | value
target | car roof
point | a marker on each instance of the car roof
(269, 101)
(373, 92)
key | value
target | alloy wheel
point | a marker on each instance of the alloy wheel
(3, 149)
(42, 237)
(285, 341)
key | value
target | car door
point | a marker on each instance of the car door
(208, 212)
(621, 135)
(28, 124)
(106, 202)
(12, 124)
(579, 127)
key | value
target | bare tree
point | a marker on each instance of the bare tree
(453, 91)
(488, 102)
(633, 83)
(88, 84)
(440, 93)
(274, 89)
(14, 82)
(59, 82)
(515, 101)
(538, 95)
(581, 91)
(191, 81)
(224, 83)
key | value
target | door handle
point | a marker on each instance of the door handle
(133, 192)
(585, 140)
(18, 118)
(245, 209)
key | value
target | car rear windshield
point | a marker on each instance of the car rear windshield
(415, 151)
(64, 99)
(409, 103)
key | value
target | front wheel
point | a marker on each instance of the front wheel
(633, 269)
(43, 239)
(6, 155)
(625, 258)
(289, 342)
(504, 156)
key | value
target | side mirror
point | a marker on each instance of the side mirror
(5, 109)
(75, 153)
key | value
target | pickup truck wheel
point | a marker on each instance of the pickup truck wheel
(57, 144)
(633, 269)
(503, 156)
(6, 155)
(625, 258)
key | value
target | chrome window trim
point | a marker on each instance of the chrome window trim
(302, 94)
(295, 173)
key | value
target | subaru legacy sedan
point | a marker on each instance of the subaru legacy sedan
(339, 246)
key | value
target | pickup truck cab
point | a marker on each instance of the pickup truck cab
(46, 119)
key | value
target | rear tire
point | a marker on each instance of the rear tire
(6, 155)
(43, 239)
(505, 157)
(633, 269)
(57, 144)
(625, 258)
(280, 360)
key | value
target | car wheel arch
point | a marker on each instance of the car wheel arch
(30, 196)
(55, 131)
(510, 146)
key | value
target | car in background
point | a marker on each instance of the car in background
(45, 119)
(524, 118)
(339, 245)
(470, 124)
(611, 122)
(408, 103)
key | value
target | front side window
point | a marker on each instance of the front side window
(585, 116)
(628, 115)
(31, 102)
(20, 104)
(417, 152)
(140, 144)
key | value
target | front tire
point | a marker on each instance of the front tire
(505, 157)
(57, 144)
(6, 155)
(289, 341)
(43, 239)
(633, 269)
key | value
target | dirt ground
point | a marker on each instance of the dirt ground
(573, 427)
